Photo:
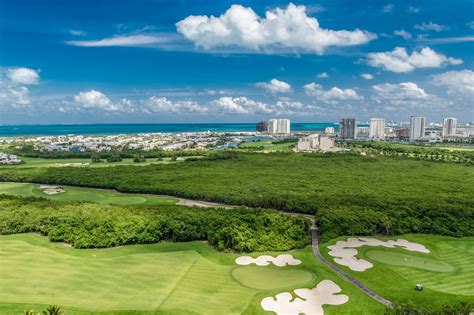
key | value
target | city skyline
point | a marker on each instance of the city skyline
(171, 62)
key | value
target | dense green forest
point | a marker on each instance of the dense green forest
(87, 225)
(351, 195)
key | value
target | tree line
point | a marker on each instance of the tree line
(88, 225)
(350, 194)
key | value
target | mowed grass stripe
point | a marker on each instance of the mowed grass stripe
(221, 289)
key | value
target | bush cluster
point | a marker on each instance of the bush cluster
(87, 225)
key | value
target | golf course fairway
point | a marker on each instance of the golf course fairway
(165, 278)
(71, 193)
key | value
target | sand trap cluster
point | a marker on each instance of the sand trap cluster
(52, 190)
(309, 301)
(265, 260)
(345, 251)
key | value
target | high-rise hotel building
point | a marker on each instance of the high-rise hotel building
(275, 126)
(347, 128)
(417, 127)
(449, 127)
(377, 128)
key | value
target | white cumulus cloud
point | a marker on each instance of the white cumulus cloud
(24, 76)
(458, 83)
(323, 75)
(289, 28)
(240, 105)
(156, 104)
(402, 33)
(367, 76)
(335, 93)
(405, 95)
(275, 86)
(398, 60)
(431, 27)
(97, 100)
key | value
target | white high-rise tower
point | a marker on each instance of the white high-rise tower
(449, 127)
(377, 128)
(417, 127)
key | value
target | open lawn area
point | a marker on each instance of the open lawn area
(101, 196)
(270, 145)
(446, 272)
(82, 162)
(171, 278)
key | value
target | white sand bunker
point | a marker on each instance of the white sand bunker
(309, 301)
(265, 260)
(52, 190)
(345, 251)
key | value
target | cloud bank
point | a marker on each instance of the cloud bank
(287, 28)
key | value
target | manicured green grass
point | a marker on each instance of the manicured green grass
(75, 162)
(268, 145)
(447, 276)
(168, 278)
(101, 196)
(270, 277)
(407, 260)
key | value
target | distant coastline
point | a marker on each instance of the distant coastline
(109, 129)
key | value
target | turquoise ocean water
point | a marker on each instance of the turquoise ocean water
(109, 129)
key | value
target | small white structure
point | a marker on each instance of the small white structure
(329, 130)
(317, 142)
(308, 301)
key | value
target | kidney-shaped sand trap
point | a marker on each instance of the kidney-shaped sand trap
(309, 301)
(265, 260)
(345, 251)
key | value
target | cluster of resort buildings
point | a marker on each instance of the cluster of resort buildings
(9, 159)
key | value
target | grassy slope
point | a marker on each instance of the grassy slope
(168, 277)
(397, 283)
(84, 194)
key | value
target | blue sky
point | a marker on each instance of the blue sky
(227, 61)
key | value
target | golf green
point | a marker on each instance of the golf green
(84, 194)
(258, 277)
(446, 272)
(406, 260)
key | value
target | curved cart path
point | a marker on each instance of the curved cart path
(360, 285)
